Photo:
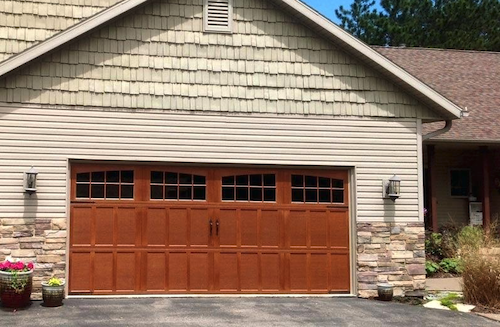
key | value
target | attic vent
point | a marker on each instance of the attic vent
(218, 15)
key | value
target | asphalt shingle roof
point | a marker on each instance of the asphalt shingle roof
(468, 78)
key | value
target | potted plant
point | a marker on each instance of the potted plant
(16, 281)
(385, 291)
(53, 292)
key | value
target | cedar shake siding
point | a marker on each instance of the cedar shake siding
(24, 23)
(158, 57)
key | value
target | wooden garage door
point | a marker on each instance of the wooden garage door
(168, 230)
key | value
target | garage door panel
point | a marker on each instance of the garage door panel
(298, 272)
(178, 272)
(228, 228)
(249, 277)
(81, 226)
(178, 227)
(126, 271)
(228, 272)
(339, 229)
(340, 273)
(199, 227)
(199, 271)
(318, 222)
(249, 228)
(156, 271)
(80, 272)
(271, 272)
(318, 272)
(128, 224)
(297, 228)
(104, 226)
(270, 226)
(155, 231)
(103, 272)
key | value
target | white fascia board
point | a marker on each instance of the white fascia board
(375, 57)
(67, 35)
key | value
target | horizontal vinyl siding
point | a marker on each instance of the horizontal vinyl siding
(47, 138)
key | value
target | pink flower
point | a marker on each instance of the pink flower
(19, 265)
(30, 266)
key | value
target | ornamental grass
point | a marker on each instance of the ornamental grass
(481, 268)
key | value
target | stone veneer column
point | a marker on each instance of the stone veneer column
(393, 253)
(41, 241)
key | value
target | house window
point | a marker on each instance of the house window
(177, 186)
(105, 185)
(218, 16)
(460, 182)
(316, 189)
(250, 188)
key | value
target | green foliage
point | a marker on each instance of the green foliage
(431, 267)
(454, 24)
(18, 284)
(451, 265)
(54, 281)
(450, 301)
(433, 244)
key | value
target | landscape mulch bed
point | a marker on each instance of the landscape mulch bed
(483, 309)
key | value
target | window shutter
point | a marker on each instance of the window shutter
(218, 15)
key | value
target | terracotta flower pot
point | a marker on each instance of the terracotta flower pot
(53, 296)
(15, 289)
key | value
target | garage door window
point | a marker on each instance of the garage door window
(105, 185)
(315, 189)
(177, 186)
(250, 188)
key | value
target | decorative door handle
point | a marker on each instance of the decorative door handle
(211, 226)
(217, 228)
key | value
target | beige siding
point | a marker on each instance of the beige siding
(158, 57)
(47, 138)
(24, 23)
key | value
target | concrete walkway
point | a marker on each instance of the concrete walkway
(444, 284)
(289, 312)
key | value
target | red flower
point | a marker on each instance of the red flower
(30, 266)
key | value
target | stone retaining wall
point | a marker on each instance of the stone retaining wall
(393, 253)
(41, 240)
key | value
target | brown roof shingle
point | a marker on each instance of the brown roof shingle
(468, 78)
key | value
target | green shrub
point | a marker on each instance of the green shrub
(433, 245)
(431, 267)
(451, 265)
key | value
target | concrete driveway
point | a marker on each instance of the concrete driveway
(213, 312)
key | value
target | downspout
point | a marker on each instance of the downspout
(445, 129)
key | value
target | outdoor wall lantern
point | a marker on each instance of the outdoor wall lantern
(392, 188)
(30, 181)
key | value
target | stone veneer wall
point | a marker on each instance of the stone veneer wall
(386, 252)
(393, 253)
(40, 240)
